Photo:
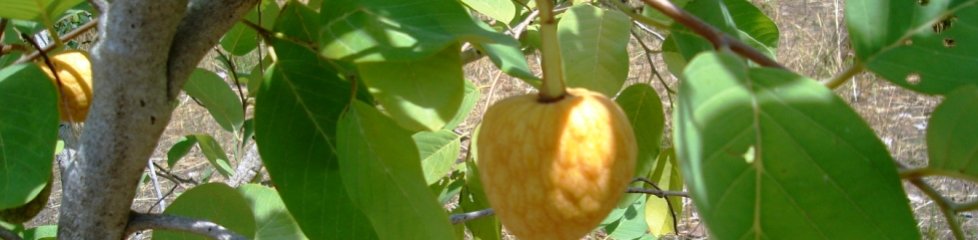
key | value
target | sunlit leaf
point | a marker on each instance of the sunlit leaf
(472, 95)
(439, 150)
(501, 10)
(419, 95)
(594, 46)
(667, 176)
(214, 153)
(213, 202)
(473, 198)
(272, 219)
(382, 174)
(806, 140)
(396, 30)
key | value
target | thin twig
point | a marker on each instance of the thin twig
(168, 193)
(64, 38)
(229, 61)
(655, 71)
(465, 217)
(946, 206)
(719, 39)
(658, 192)
(844, 76)
(156, 187)
(142, 221)
(162, 172)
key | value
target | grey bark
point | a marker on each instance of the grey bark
(248, 168)
(147, 49)
(140, 221)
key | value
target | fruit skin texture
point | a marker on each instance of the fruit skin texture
(555, 170)
(75, 71)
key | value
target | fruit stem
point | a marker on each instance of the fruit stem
(553, 76)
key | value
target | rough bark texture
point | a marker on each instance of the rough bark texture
(147, 50)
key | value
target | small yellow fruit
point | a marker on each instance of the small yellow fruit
(75, 71)
(554, 170)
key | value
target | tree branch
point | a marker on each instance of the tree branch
(127, 116)
(248, 168)
(205, 23)
(844, 76)
(142, 221)
(64, 38)
(718, 38)
(469, 216)
(8, 235)
(946, 206)
(657, 192)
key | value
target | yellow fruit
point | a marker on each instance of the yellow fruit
(75, 72)
(555, 170)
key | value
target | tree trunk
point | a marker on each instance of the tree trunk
(145, 53)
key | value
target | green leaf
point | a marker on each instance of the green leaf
(753, 22)
(643, 108)
(471, 98)
(215, 154)
(242, 39)
(382, 173)
(668, 177)
(214, 202)
(631, 225)
(296, 111)
(507, 56)
(272, 220)
(923, 48)
(473, 198)
(180, 149)
(396, 30)
(594, 46)
(41, 232)
(419, 95)
(805, 140)
(952, 133)
(28, 133)
(45, 11)
(501, 10)
(438, 153)
(217, 96)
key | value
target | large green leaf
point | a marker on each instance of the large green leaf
(439, 150)
(764, 151)
(215, 202)
(501, 10)
(382, 173)
(923, 48)
(378, 30)
(644, 111)
(217, 96)
(952, 133)
(419, 95)
(738, 19)
(296, 111)
(242, 39)
(28, 133)
(46, 11)
(594, 46)
(272, 220)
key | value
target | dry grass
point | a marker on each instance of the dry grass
(813, 43)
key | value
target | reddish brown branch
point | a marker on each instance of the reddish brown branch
(718, 38)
